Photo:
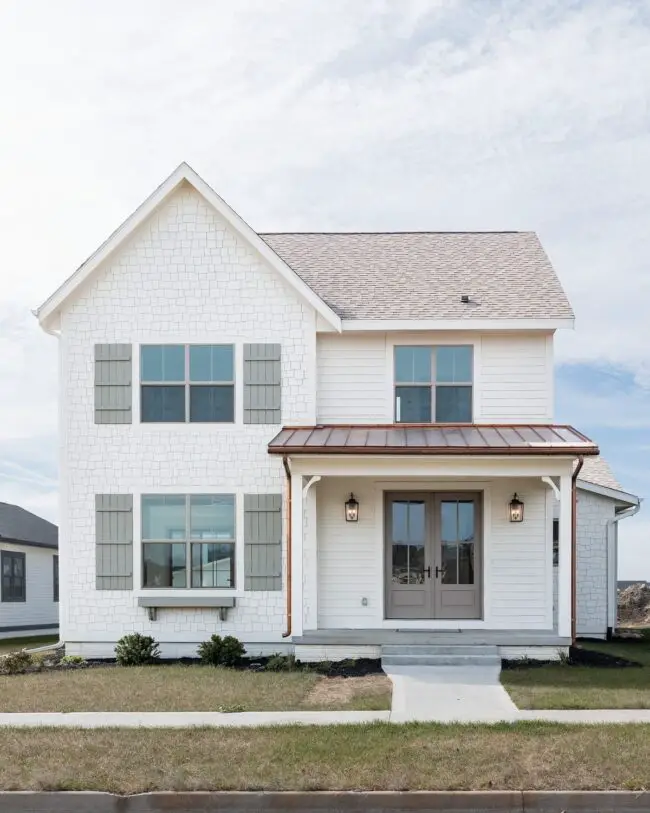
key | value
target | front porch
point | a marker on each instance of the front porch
(456, 570)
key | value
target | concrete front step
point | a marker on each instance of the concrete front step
(440, 660)
(435, 649)
(431, 655)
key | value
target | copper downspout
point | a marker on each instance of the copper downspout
(574, 547)
(285, 463)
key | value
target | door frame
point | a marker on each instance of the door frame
(432, 551)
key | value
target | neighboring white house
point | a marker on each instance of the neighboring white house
(224, 394)
(29, 563)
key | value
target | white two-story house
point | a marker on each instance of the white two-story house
(325, 443)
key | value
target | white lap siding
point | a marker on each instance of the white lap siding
(39, 610)
(517, 556)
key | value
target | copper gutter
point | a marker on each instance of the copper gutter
(574, 547)
(285, 463)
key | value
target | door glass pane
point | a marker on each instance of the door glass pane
(454, 364)
(163, 517)
(453, 404)
(449, 537)
(408, 529)
(412, 364)
(466, 539)
(414, 404)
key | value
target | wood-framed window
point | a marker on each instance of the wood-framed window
(188, 540)
(14, 577)
(433, 384)
(187, 383)
(55, 578)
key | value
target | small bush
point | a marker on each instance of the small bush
(43, 660)
(220, 651)
(72, 660)
(15, 663)
(137, 650)
(322, 667)
(282, 663)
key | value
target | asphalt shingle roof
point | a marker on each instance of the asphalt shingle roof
(422, 275)
(18, 524)
(597, 470)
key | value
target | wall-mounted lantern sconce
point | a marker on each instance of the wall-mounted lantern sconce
(351, 510)
(516, 506)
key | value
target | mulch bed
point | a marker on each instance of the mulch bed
(577, 657)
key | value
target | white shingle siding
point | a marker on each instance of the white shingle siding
(594, 511)
(182, 278)
(39, 607)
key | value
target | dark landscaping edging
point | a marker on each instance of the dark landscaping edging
(332, 802)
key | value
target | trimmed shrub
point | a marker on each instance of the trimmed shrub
(282, 663)
(137, 650)
(15, 663)
(220, 651)
(72, 660)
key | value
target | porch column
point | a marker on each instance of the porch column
(564, 559)
(297, 533)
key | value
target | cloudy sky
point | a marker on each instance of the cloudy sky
(345, 114)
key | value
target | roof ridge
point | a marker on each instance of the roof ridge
(406, 231)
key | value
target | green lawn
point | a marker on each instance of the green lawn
(531, 756)
(558, 686)
(10, 644)
(188, 688)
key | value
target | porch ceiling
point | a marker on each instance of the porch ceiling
(438, 439)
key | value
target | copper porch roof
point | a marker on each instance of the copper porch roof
(438, 439)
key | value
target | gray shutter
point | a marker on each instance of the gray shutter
(262, 383)
(263, 541)
(114, 541)
(113, 383)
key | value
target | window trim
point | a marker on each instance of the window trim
(188, 542)
(187, 383)
(55, 578)
(432, 384)
(13, 554)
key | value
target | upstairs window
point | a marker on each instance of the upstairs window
(187, 383)
(433, 384)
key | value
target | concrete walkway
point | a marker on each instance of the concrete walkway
(446, 694)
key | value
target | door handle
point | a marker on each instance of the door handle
(439, 571)
(427, 570)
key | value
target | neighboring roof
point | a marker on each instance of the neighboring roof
(596, 476)
(183, 173)
(597, 470)
(19, 525)
(623, 584)
(422, 275)
(456, 439)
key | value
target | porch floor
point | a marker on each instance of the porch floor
(378, 637)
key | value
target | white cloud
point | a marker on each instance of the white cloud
(376, 115)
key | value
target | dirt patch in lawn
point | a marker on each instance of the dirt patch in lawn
(373, 691)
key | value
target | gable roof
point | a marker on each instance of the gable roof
(19, 525)
(182, 173)
(596, 475)
(422, 275)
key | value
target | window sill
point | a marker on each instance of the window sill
(186, 601)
